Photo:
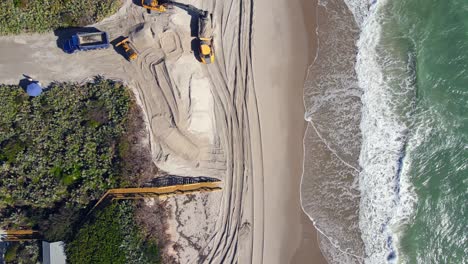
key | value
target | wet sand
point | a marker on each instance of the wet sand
(284, 45)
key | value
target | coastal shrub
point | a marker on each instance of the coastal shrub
(61, 146)
(25, 252)
(12, 251)
(59, 152)
(111, 236)
(18, 16)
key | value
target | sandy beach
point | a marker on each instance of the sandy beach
(284, 45)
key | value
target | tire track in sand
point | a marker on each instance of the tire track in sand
(231, 76)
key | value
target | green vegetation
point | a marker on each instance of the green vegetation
(18, 16)
(59, 152)
(60, 146)
(111, 237)
(22, 253)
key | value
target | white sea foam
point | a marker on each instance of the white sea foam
(333, 96)
(360, 9)
(386, 195)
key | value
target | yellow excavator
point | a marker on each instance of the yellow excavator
(205, 36)
(130, 51)
(154, 5)
(205, 29)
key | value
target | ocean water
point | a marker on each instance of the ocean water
(411, 181)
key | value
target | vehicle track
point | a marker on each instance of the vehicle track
(232, 43)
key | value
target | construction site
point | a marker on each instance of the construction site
(190, 66)
(186, 105)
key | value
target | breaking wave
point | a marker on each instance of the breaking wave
(355, 185)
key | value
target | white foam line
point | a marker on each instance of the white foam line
(359, 258)
(331, 150)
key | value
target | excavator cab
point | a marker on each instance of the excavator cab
(206, 51)
(153, 5)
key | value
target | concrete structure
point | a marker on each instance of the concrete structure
(53, 253)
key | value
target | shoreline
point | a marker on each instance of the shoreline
(331, 166)
(280, 72)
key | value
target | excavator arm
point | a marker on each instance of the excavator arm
(189, 8)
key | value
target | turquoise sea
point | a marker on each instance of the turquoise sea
(436, 34)
(386, 148)
(414, 56)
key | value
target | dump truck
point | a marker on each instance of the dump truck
(86, 41)
(130, 50)
(153, 5)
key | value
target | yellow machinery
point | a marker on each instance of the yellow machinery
(205, 30)
(206, 51)
(205, 35)
(153, 5)
(130, 51)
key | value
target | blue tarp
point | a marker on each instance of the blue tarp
(34, 89)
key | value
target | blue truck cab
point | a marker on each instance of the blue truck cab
(86, 41)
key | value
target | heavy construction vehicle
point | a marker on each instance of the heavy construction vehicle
(205, 30)
(205, 36)
(154, 5)
(87, 41)
(130, 51)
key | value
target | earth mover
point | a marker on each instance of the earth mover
(205, 35)
(130, 51)
(205, 29)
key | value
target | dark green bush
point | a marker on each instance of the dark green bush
(111, 236)
(22, 253)
(62, 145)
(59, 153)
